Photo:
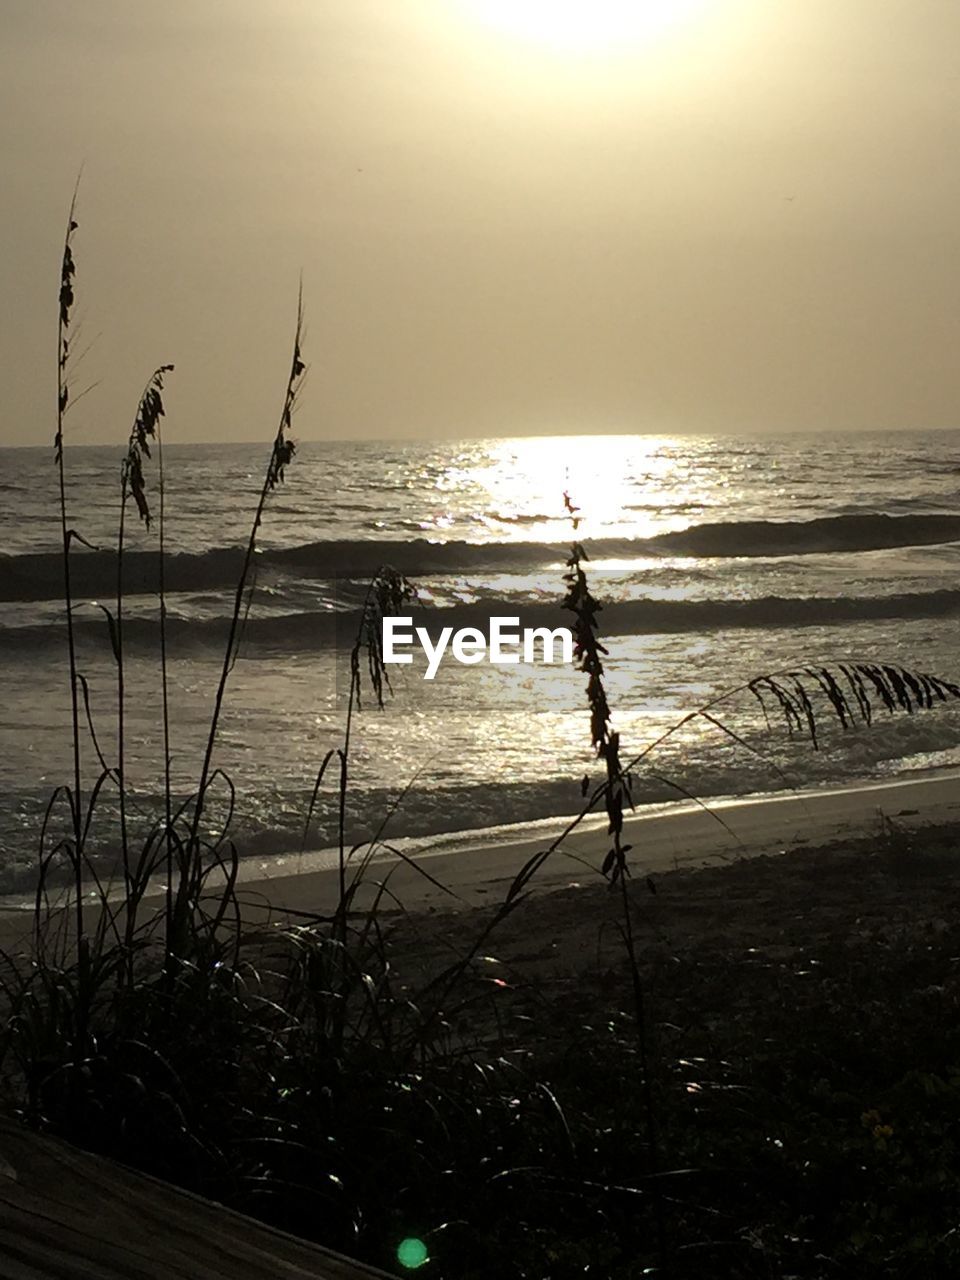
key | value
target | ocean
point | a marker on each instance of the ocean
(715, 558)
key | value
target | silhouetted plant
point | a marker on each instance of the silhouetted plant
(852, 691)
(171, 843)
(844, 693)
(68, 273)
(132, 484)
(281, 453)
(145, 428)
(388, 594)
(588, 654)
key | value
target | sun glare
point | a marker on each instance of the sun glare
(584, 26)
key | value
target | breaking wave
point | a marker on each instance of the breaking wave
(314, 630)
(39, 575)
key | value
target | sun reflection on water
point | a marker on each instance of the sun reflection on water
(622, 485)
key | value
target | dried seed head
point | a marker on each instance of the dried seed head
(388, 595)
(850, 694)
(145, 424)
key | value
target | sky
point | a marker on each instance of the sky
(511, 216)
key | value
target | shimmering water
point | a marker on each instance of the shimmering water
(716, 559)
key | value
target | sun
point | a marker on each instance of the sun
(584, 26)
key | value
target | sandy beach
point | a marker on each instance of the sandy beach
(477, 869)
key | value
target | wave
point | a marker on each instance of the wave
(317, 630)
(39, 575)
(520, 517)
(868, 531)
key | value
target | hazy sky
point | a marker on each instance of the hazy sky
(508, 222)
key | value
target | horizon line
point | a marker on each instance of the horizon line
(527, 435)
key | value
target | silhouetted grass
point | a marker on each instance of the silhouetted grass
(66, 300)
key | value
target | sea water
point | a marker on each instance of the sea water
(715, 559)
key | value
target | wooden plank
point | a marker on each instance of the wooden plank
(66, 1215)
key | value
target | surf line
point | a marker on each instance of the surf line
(504, 643)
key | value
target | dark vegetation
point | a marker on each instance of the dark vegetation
(750, 1072)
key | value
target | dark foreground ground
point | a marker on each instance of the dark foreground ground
(803, 1043)
(792, 1108)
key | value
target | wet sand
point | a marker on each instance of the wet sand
(478, 868)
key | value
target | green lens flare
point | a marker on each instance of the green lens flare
(412, 1253)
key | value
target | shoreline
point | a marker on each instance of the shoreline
(679, 836)
(476, 867)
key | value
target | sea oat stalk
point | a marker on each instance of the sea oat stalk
(132, 484)
(281, 454)
(64, 335)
